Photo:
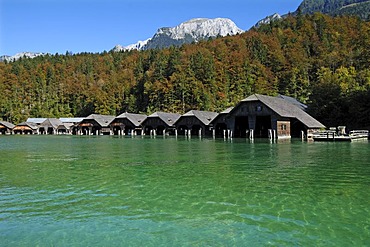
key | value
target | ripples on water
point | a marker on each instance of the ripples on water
(109, 191)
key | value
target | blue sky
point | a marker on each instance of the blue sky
(57, 26)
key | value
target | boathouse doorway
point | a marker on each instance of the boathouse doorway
(241, 126)
(263, 124)
(117, 130)
(148, 130)
(220, 128)
(195, 130)
(160, 130)
(42, 131)
(182, 129)
(296, 128)
(50, 131)
(85, 131)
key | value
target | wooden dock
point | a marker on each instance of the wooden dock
(332, 136)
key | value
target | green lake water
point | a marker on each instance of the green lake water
(111, 191)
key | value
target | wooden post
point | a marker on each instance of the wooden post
(270, 134)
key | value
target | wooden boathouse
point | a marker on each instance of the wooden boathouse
(26, 128)
(196, 123)
(69, 125)
(219, 124)
(6, 128)
(95, 124)
(50, 126)
(160, 123)
(128, 124)
(266, 116)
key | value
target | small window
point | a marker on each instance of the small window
(258, 108)
(283, 127)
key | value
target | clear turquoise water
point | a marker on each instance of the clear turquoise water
(110, 191)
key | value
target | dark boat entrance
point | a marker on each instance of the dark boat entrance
(117, 130)
(195, 130)
(241, 126)
(159, 130)
(296, 128)
(220, 128)
(263, 124)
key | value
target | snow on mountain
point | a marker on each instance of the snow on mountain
(268, 19)
(21, 55)
(190, 31)
(138, 46)
(201, 28)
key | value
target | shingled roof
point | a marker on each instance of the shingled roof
(135, 119)
(222, 114)
(51, 122)
(205, 117)
(31, 125)
(7, 124)
(71, 120)
(102, 120)
(285, 108)
(35, 120)
(168, 118)
(293, 101)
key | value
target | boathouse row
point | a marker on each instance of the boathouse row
(258, 116)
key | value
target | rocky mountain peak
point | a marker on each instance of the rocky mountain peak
(190, 31)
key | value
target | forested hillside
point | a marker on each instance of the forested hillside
(322, 61)
(358, 8)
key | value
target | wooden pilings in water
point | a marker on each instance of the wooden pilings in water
(272, 134)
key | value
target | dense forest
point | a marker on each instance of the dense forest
(320, 60)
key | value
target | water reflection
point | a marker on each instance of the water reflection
(198, 190)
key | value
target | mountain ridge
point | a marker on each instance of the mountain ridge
(268, 19)
(189, 31)
(328, 6)
(21, 55)
(360, 8)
